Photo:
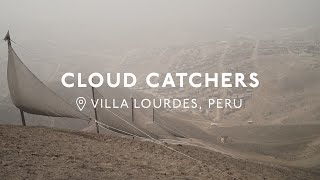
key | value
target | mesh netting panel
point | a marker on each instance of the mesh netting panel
(155, 124)
(117, 120)
(29, 94)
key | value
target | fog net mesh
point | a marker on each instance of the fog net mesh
(30, 95)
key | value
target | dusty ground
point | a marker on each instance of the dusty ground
(294, 145)
(44, 153)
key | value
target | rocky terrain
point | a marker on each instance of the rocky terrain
(38, 153)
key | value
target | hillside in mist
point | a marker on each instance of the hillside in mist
(284, 108)
(288, 69)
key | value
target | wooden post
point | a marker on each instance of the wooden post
(95, 110)
(8, 39)
(153, 114)
(22, 118)
(132, 112)
(132, 115)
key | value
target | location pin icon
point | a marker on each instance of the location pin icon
(81, 102)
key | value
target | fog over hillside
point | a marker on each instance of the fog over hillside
(279, 40)
(77, 25)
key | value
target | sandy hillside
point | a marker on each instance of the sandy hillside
(296, 145)
(38, 153)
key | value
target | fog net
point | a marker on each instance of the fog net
(118, 120)
(144, 119)
(30, 95)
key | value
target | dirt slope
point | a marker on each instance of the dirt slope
(38, 153)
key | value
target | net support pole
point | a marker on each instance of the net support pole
(8, 39)
(95, 110)
(132, 107)
(152, 114)
(22, 118)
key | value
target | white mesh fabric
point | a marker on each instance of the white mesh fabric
(116, 119)
(29, 94)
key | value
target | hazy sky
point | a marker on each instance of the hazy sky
(143, 23)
